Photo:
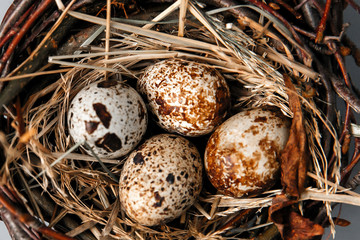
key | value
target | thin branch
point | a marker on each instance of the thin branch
(321, 28)
(14, 16)
(289, 8)
(354, 5)
(38, 12)
(14, 29)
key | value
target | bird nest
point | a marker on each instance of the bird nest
(51, 187)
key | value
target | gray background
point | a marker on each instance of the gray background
(350, 213)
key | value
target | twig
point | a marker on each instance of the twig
(36, 60)
(182, 17)
(283, 20)
(349, 167)
(37, 31)
(354, 5)
(310, 15)
(355, 52)
(14, 29)
(28, 220)
(14, 16)
(321, 28)
(354, 182)
(42, 7)
(52, 18)
(289, 8)
(15, 229)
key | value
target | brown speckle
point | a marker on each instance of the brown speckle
(260, 119)
(110, 142)
(91, 126)
(170, 178)
(164, 108)
(142, 112)
(103, 114)
(159, 200)
(107, 84)
(138, 159)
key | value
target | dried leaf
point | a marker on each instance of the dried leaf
(293, 158)
(341, 222)
(291, 225)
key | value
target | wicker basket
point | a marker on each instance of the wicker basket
(284, 55)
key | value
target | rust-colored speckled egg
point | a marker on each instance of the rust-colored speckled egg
(110, 116)
(185, 97)
(161, 179)
(241, 156)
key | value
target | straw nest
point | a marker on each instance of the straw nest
(50, 170)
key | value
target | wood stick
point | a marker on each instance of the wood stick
(321, 28)
(107, 34)
(43, 6)
(182, 17)
(14, 16)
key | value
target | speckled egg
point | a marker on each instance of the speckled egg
(110, 116)
(161, 179)
(241, 157)
(185, 97)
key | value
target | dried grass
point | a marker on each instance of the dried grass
(81, 187)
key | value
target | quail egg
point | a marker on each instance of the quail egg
(161, 179)
(185, 97)
(110, 116)
(241, 156)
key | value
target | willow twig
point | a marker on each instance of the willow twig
(27, 220)
(16, 230)
(14, 29)
(42, 7)
(265, 7)
(289, 8)
(354, 182)
(354, 5)
(321, 28)
(14, 16)
(36, 60)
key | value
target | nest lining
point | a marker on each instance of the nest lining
(77, 183)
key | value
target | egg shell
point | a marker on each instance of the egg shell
(110, 116)
(161, 179)
(186, 97)
(241, 156)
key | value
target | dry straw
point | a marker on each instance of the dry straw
(79, 186)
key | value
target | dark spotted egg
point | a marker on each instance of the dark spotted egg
(161, 179)
(110, 116)
(185, 97)
(241, 156)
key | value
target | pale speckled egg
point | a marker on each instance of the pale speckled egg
(186, 97)
(241, 156)
(111, 116)
(161, 179)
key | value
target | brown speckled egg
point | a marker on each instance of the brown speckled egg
(241, 157)
(185, 97)
(161, 179)
(110, 116)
